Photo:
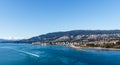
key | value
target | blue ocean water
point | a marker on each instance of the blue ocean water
(27, 54)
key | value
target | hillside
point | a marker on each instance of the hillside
(75, 35)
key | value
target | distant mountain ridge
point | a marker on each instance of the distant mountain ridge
(65, 36)
(2, 40)
(68, 35)
(5, 40)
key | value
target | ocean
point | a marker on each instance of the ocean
(28, 54)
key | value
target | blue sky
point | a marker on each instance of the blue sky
(28, 18)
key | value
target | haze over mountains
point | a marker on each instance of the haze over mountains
(5, 40)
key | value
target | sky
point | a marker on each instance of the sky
(29, 18)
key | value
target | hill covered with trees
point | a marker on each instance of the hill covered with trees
(75, 35)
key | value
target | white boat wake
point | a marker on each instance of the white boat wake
(29, 53)
(25, 52)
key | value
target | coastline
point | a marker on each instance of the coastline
(81, 48)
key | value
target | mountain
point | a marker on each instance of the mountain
(5, 41)
(10, 41)
(2, 40)
(74, 35)
(70, 36)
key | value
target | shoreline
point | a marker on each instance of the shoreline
(80, 48)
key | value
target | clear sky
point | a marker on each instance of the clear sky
(28, 18)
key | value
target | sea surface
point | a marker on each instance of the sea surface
(27, 54)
